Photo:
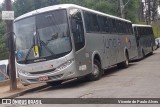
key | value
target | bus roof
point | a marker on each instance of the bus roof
(140, 25)
(64, 6)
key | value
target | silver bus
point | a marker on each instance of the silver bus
(67, 41)
(144, 39)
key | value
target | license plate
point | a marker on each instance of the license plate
(44, 78)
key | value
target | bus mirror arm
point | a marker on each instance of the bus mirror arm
(7, 43)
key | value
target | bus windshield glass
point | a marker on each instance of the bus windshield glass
(42, 36)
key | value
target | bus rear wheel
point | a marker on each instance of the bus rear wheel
(125, 63)
(97, 71)
(151, 53)
(143, 54)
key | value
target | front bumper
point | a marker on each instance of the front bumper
(68, 72)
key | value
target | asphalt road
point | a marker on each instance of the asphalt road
(140, 80)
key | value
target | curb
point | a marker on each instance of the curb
(4, 82)
(26, 91)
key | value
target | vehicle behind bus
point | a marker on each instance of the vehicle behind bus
(3, 70)
(144, 39)
(67, 41)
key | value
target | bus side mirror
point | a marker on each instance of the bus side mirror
(73, 25)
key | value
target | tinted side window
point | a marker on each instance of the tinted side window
(139, 31)
(101, 21)
(110, 23)
(151, 31)
(118, 26)
(78, 32)
(130, 28)
(106, 24)
(91, 22)
(135, 31)
(121, 26)
(127, 28)
(114, 26)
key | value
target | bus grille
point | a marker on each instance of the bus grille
(42, 72)
(56, 77)
(50, 78)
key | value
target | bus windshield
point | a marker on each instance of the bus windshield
(48, 31)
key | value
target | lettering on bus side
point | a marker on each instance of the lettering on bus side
(112, 43)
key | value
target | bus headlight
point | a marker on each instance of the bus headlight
(24, 72)
(64, 65)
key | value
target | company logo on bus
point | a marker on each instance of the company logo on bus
(49, 66)
(128, 42)
(39, 60)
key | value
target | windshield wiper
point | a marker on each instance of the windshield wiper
(41, 43)
(48, 49)
(54, 36)
(25, 60)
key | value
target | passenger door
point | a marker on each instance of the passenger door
(81, 57)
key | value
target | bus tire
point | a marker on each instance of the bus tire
(97, 72)
(152, 51)
(125, 63)
(143, 54)
(54, 83)
(25, 84)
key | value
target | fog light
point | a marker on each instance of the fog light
(22, 72)
(64, 65)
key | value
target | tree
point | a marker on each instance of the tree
(3, 49)
(24, 6)
(106, 6)
(131, 10)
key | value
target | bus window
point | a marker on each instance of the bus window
(101, 23)
(91, 22)
(110, 25)
(114, 25)
(129, 26)
(117, 26)
(135, 32)
(77, 25)
(106, 24)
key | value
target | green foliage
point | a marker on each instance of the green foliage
(109, 7)
(24, 6)
(3, 49)
(131, 10)
(156, 30)
(106, 6)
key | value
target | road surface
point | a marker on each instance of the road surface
(140, 80)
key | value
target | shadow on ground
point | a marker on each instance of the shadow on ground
(82, 81)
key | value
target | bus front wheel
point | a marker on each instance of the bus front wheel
(97, 71)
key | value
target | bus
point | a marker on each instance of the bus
(4, 74)
(4, 70)
(67, 41)
(144, 39)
